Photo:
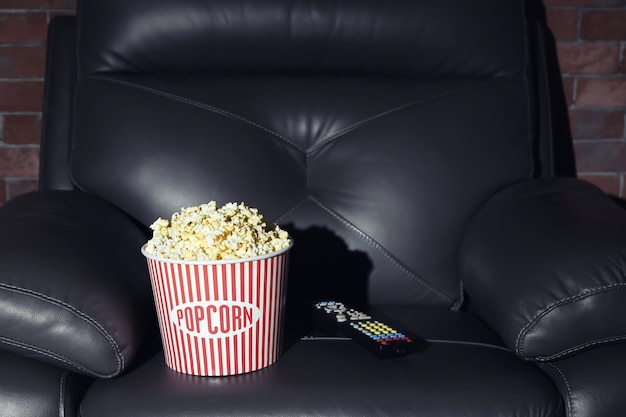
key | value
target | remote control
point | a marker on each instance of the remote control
(379, 338)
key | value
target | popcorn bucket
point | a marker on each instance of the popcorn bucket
(220, 318)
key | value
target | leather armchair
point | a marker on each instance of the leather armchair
(413, 149)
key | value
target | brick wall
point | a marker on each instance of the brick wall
(591, 42)
(22, 61)
(591, 37)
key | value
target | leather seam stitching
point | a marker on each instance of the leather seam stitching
(521, 337)
(62, 383)
(400, 108)
(84, 317)
(570, 407)
(468, 343)
(53, 355)
(198, 104)
(382, 251)
(579, 348)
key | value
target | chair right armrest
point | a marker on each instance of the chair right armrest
(544, 264)
(591, 382)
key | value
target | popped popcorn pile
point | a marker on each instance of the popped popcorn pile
(205, 232)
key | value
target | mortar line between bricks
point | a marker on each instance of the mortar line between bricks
(595, 140)
(619, 8)
(5, 79)
(590, 42)
(615, 75)
(602, 173)
(5, 145)
(21, 113)
(604, 107)
(12, 11)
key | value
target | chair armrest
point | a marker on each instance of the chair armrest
(74, 287)
(592, 382)
(543, 264)
(30, 388)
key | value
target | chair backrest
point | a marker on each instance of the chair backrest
(372, 130)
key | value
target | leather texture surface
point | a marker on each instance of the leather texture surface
(345, 155)
(354, 37)
(589, 381)
(74, 290)
(461, 370)
(373, 131)
(370, 141)
(58, 101)
(30, 387)
(560, 299)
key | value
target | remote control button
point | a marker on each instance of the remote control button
(383, 340)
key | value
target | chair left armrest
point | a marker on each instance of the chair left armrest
(74, 287)
(543, 263)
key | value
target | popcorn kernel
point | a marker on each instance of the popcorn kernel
(205, 232)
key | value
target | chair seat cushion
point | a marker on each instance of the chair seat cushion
(462, 370)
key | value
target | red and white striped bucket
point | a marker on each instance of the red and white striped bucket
(220, 318)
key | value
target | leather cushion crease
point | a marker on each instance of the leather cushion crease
(36, 388)
(322, 151)
(64, 297)
(529, 297)
(587, 382)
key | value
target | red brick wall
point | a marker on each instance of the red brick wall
(22, 62)
(591, 42)
(591, 37)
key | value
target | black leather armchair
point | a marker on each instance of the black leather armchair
(412, 148)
